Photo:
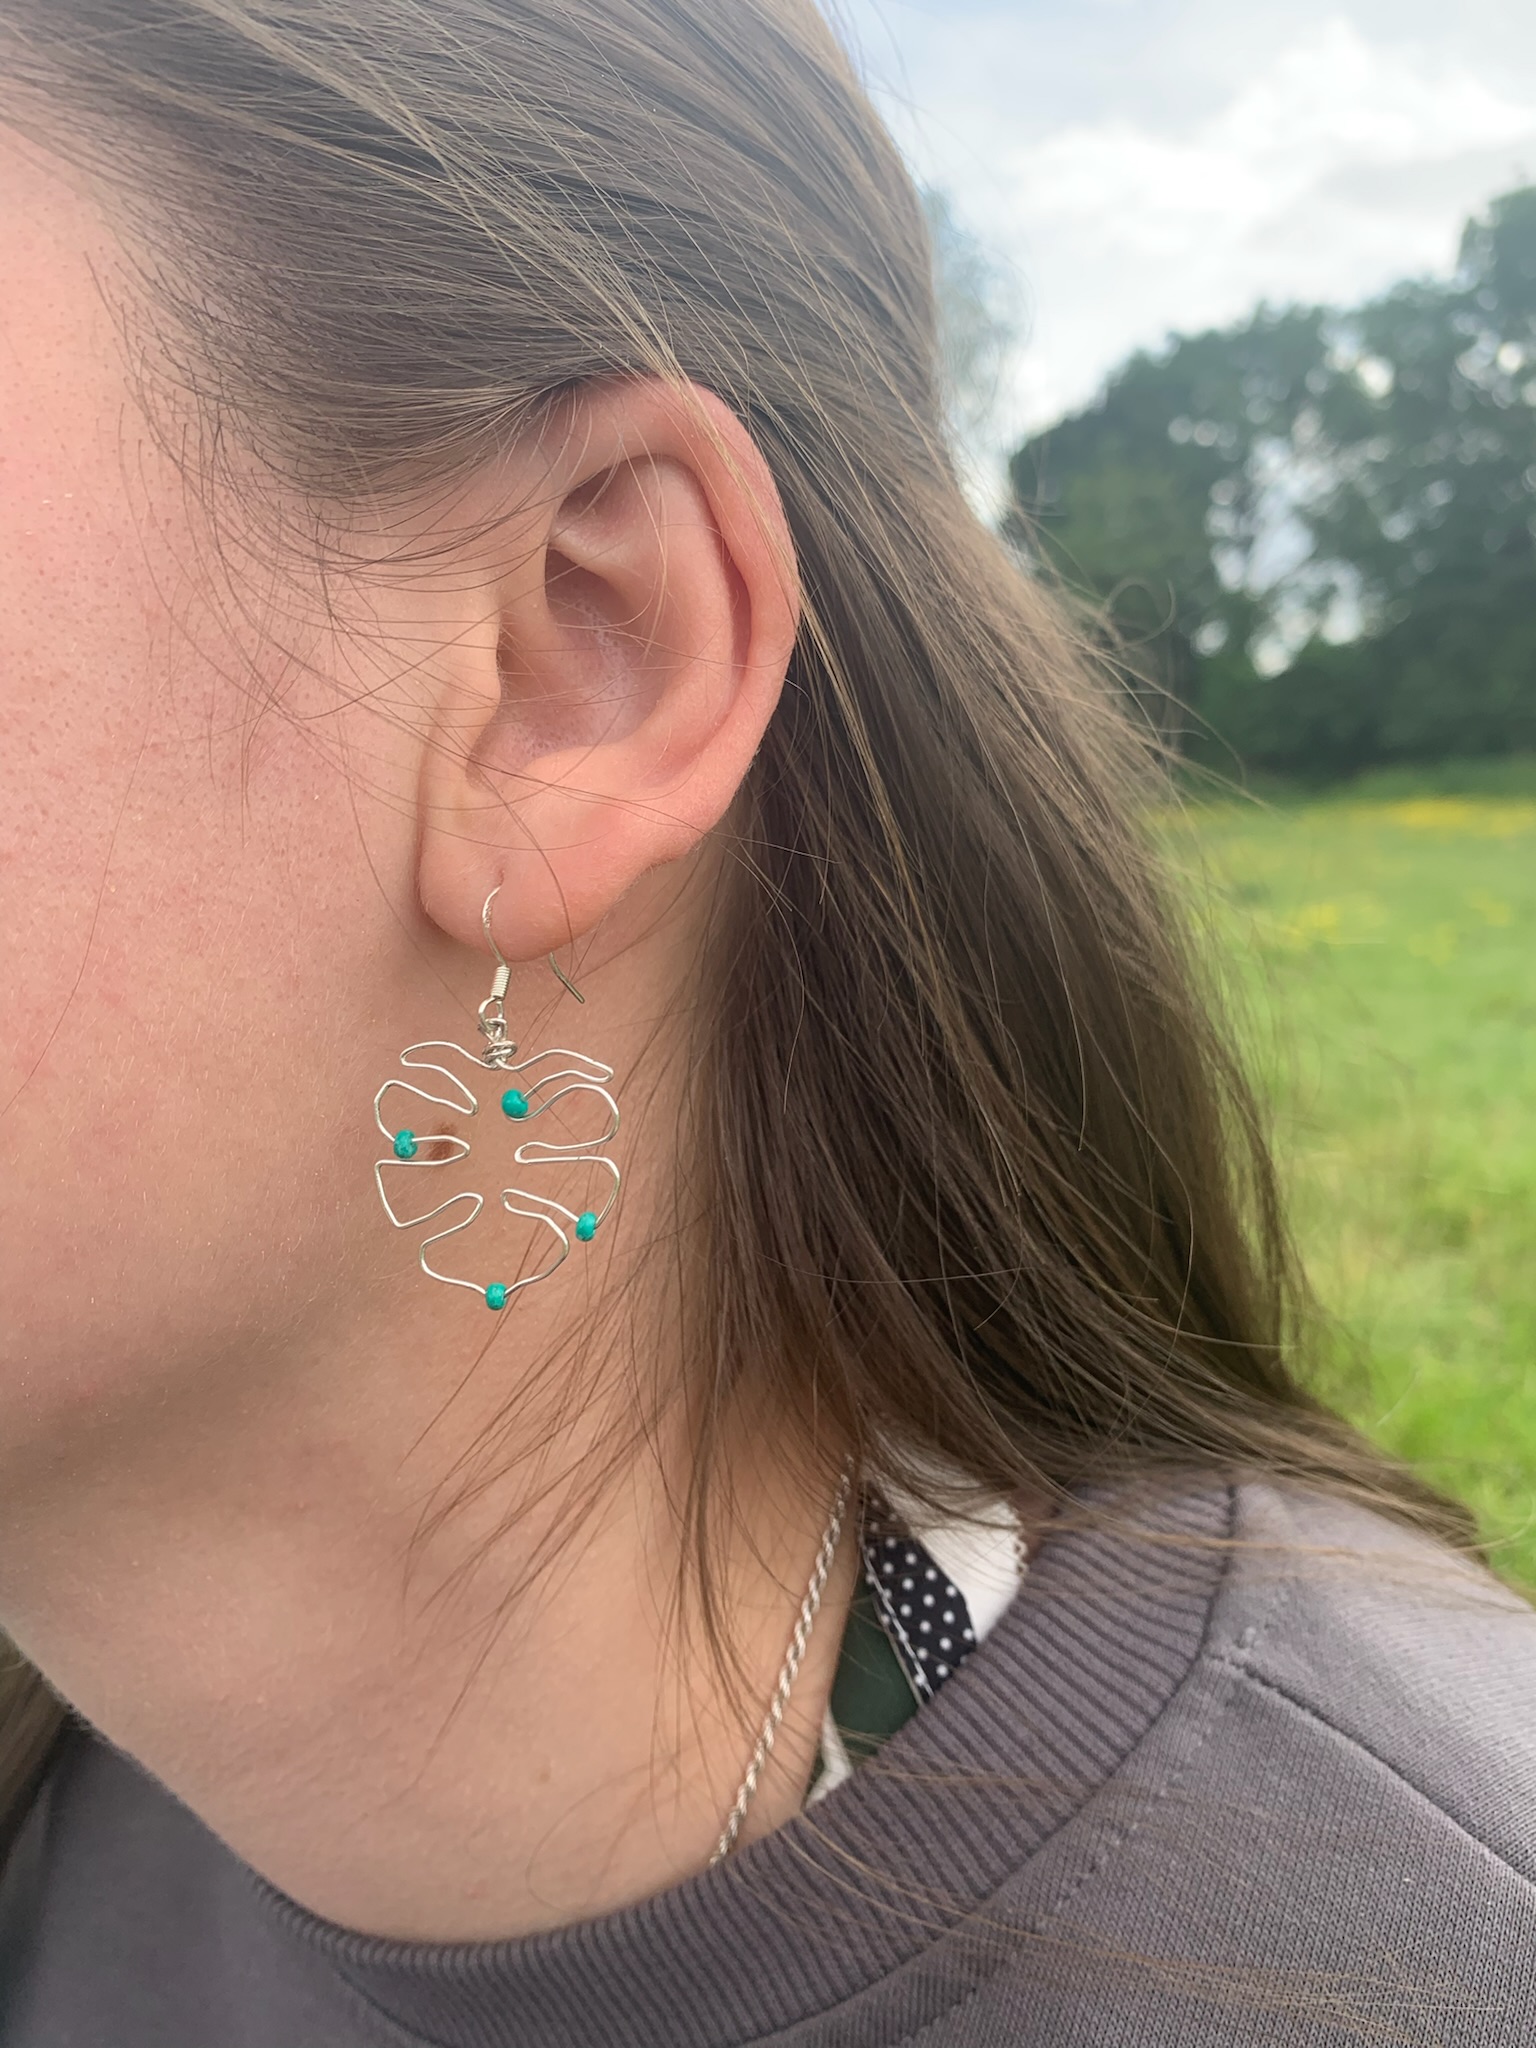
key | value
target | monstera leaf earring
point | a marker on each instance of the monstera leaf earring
(532, 1087)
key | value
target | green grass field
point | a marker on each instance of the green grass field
(1383, 944)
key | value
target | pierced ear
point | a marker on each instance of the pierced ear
(599, 725)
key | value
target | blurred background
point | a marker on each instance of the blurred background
(1241, 320)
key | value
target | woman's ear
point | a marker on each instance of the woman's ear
(611, 658)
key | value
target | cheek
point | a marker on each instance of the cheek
(186, 913)
(184, 908)
(175, 1063)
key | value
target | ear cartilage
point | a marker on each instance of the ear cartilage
(539, 1084)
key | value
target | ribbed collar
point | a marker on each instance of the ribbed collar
(1107, 1624)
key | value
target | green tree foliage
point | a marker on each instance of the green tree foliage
(1317, 530)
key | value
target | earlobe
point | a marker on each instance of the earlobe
(645, 613)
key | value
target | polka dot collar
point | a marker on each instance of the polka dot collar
(933, 1591)
(923, 1611)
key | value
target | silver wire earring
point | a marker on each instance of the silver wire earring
(536, 1089)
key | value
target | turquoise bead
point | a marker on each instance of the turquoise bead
(515, 1102)
(405, 1144)
(586, 1227)
(496, 1295)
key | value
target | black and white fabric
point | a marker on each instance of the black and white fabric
(924, 1611)
(938, 1587)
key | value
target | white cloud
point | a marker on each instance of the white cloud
(1286, 192)
(1258, 155)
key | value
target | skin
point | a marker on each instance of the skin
(285, 1520)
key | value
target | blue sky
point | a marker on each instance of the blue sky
(1145, 165)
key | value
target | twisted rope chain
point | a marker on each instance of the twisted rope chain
(799, 1642)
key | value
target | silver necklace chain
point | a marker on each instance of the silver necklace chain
(790, 1671)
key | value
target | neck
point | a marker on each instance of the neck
(382, 1655)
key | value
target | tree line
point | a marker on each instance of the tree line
(1310, 538)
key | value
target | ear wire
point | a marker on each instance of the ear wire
(503, 968)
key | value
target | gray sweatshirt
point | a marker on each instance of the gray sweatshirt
(1261, 1770)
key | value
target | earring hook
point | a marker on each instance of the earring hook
(485, 925)
(503, 967)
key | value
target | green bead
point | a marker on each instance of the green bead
(405, 1144)
(586, 1227)
(496, 1295)
(515, 1102)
